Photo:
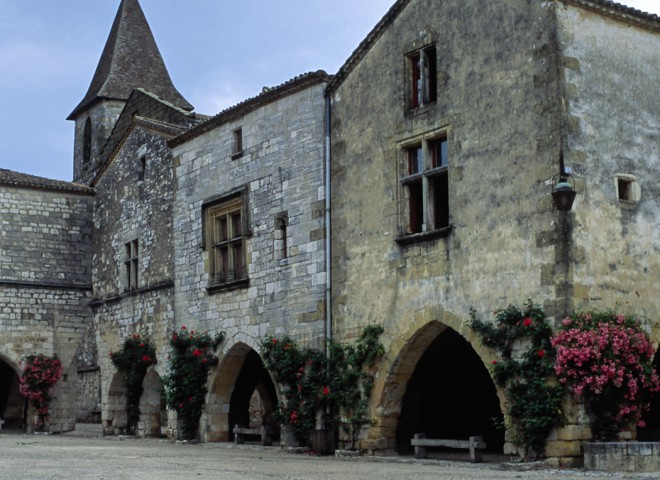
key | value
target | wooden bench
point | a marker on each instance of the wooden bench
(264, 432)
(474, 444)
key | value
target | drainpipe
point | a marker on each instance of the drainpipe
(328, 256)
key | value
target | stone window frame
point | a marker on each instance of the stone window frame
(131, 264)
(628, 190)
(237, 143)
(424, 186)
(225, 240)
(421, 77)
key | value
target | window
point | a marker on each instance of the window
(225, 241)
(131, 252)
(423, 77)
(237, 148)
(87, 143)
(281, 245)
(425, 186)
(142, 166)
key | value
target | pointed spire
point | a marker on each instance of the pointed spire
(130, 60)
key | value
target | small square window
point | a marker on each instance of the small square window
(422, 83)
(628, 191)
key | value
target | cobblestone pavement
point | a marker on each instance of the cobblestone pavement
(78, 456)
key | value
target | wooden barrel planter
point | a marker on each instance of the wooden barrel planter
(323, 442)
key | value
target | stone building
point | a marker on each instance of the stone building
(449, 124)
(412, 186)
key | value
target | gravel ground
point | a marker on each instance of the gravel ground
(84, 454)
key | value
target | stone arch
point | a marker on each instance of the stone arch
(419, 378)
(241, 392)
(12, 403)
(114, 418)
(152, 406)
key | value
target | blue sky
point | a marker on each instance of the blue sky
(218, 53)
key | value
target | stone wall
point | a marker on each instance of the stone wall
(613, 124)
(279, 177)
(45, 283)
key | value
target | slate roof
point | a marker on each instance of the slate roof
(23, 180)
(130, 60)
(268, 95)
(603, 7)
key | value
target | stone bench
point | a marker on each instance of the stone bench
(474, 445)
(2, 422)
(265, 433)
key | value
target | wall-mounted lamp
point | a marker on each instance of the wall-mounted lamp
(563, 187)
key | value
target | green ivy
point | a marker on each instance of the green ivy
(193, 355)
(534, 396)
(132, 361)
(339, 387)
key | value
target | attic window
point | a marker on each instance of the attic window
(422, 84)
(237, 147)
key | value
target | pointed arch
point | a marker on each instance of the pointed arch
(12, 404)
(422, 384)
(241, 392)
(152, 406)
(114, 416)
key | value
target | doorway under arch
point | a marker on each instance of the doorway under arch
(12, 403)
(242, 393)
(450, 395)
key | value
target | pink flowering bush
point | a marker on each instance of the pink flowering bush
(606, 359)
(41, 373)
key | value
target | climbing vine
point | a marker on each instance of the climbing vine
(40, 374)
(338, 387)
(137, 354)
(524, 369)
(193, 355)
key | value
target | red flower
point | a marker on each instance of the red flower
(494, 362)
(146, 358)
(326, 391)
(527, 322)
(142, 345)
(183, 327)
(287, 346)
(274, 341)
(541, 353)
(197, 353)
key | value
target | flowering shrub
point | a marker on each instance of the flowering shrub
(524, 369)
(606, 359)
(339, 387)
(185, 385)
(132, 361)
(41, 373)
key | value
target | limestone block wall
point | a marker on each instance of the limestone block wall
(611, 97)
(45, 283)
(281, 170)
(134, 207)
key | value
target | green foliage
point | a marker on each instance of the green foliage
(41, 373)
(607, 359)
(133, 361)
(339, 386)
(193, 355)
(524, 369)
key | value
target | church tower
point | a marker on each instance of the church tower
(130, 60)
